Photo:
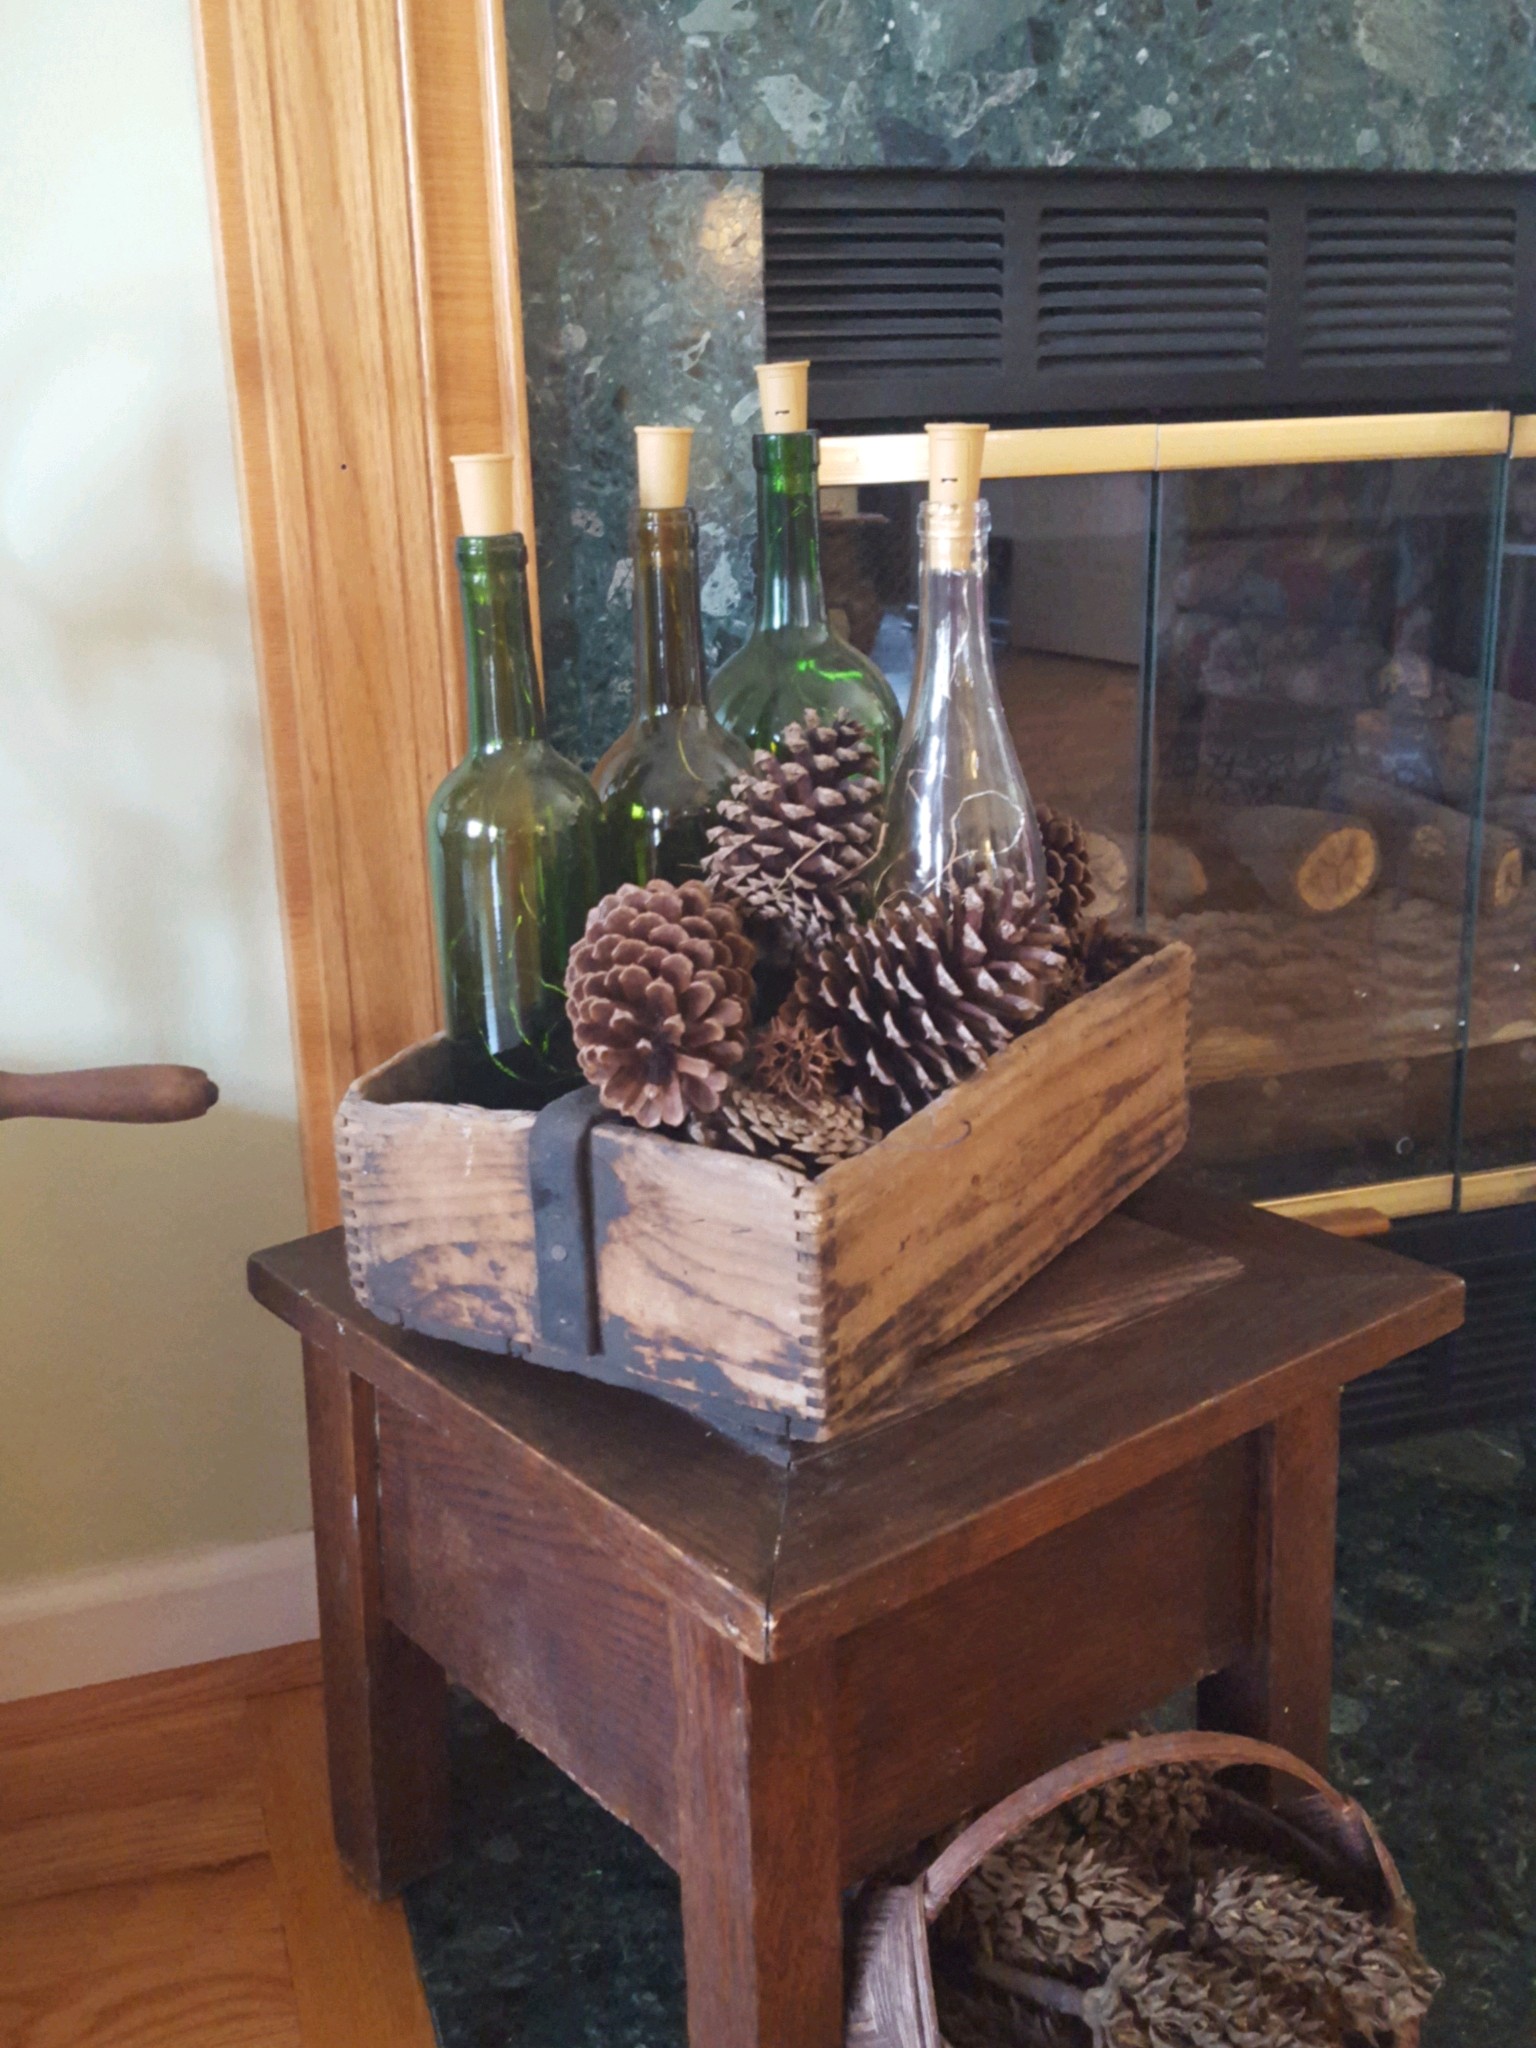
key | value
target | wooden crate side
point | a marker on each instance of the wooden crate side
(435, 1201)
(960, 1206)
(703, 1266)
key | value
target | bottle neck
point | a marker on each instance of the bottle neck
(954, 649)
(506, 701)
(789, 587)
(669, 634)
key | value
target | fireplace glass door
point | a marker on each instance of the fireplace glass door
(1292, 704)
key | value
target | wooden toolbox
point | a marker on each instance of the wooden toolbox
(776, 1306)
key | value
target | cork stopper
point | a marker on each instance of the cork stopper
(781, 387)
(661, 455)
(954, 463)
(484, 485)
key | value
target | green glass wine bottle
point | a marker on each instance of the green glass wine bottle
(794, 668)
(660, 780)
(512, 832)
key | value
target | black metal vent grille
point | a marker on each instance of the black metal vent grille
(1037, 295)
(1387, 287)
(1141, 288)
(1485, 1372)
(900, 284)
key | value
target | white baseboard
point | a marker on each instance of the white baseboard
(83, 1628)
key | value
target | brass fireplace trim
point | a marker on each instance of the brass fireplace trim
(1427, 1194)
(1188, 444)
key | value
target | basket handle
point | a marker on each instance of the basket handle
(1086, 1773)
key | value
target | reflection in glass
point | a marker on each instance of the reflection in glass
(1320, 648)
(1499, 1114)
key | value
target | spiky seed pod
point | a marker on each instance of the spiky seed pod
(1106, 953)
(792, 1059)
(797, 833)
(1068, 877)
(1183, 2000)
(659, 992)
(1044, 1902)
(1154, 1815)
(931, 988)
(1363, 1977)
(802, 1136)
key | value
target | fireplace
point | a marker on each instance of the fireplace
(1281, 664)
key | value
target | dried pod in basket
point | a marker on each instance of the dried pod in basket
(931, 988)
(797, 834)
(659, 990)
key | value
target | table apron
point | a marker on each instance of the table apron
(944, 1705)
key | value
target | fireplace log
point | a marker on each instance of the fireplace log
(1176, 876)
(1311, 861)
(1427, 845)
(1393, 748)
(1512, 755)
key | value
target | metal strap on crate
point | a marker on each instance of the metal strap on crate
(560, 1183)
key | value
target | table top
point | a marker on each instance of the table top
(1256, 1313)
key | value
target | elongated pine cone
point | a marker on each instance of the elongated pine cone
(793, 1059)
(931, 988)
(797, 833)
(659, 992)
(1069, 880)
(1106, 953)
(804, 1136)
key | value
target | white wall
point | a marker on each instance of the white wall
(146, 1405)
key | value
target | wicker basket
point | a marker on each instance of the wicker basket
(892, 2002)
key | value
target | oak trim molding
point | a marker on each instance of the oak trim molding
(360, 165)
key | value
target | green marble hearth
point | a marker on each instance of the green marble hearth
(554, 1926)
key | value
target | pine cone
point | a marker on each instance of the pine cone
(659, 992)
(803, 1136)
(1106, 953)
(793, 1059)
(797, 833)
(931, 988)
(1068, 879)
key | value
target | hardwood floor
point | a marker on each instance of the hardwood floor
(167, 1878)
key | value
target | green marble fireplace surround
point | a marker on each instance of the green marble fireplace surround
(642, 129)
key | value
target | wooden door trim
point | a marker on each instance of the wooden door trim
(360, 166)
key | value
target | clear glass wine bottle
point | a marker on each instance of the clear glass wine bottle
(958, 799)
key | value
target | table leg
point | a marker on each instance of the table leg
(758, 1842)
(385, 1699)
(1280, 1691)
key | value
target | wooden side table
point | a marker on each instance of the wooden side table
(781, 1675)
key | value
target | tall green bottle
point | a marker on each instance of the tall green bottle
(512, 832)
(794, 667)
(660, 780)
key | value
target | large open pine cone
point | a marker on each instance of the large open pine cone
(797, 833)
(932, 987)
(801, 1135)
(1069, 883)
(659, 991)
